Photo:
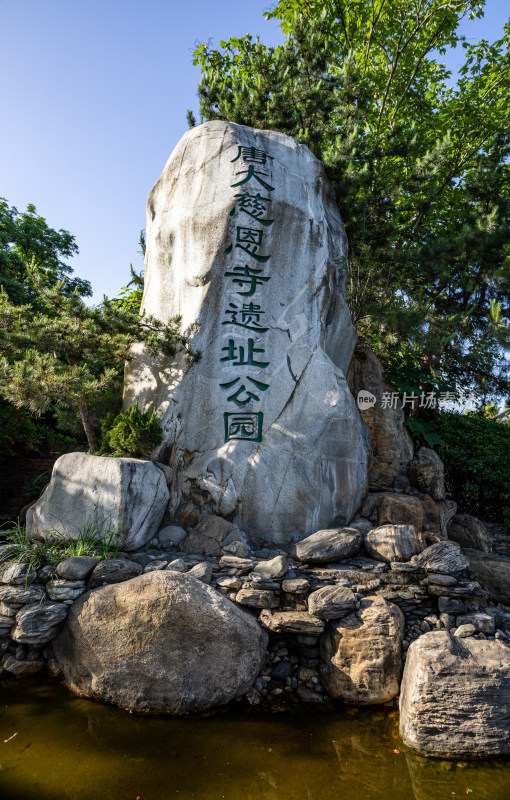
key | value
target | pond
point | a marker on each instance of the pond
(59, 747)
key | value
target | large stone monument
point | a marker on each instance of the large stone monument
(245, 243)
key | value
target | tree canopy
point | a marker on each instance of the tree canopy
(418, 162)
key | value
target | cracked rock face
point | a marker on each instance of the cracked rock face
(125, 496)
(263, 429)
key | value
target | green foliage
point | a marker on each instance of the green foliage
(57, 547)
(477, 466)
(420, 167)
(26, 241)
(74, 355)
(424, 432)
(20, 431)
(133, 433)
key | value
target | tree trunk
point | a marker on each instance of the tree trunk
(88, 428)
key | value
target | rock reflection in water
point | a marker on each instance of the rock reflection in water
(72, 749)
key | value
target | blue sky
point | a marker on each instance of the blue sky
(94, 98)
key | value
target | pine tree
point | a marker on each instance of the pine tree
(419, 168)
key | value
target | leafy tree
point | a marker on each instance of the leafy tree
(419, 166)
(74, 355)
(26, 243)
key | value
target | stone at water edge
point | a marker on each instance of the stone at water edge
(161, 643)
(123, 495)
(361, 655)
(455, 697)
(299, 461)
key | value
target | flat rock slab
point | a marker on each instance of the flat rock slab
(109, 496)
(361, 658)
(331, 602)
(38, 623)
(444, 558)
(160, 643)
(264, 428)
(291, 622)
(394, 542)
(18, 596)
(257, 598)
(330, 544)
(455, 697)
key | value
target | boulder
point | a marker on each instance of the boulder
(245, 242)
(291, 622)
(20, 596)
(492, 571)
(445, 558)
(171, 535)
(203, 572)
(332, 544)
(38, 623)
(392, 447)
(76, 568)
(160, 643)
(113, 570)
(426, 473)
(106, 496)
(455, 697)
(394, 542)
(276, 567)
(391, 508)
(469, 532)
(210, 536)
(17, 574)
(331, 602)
(65, 590)
(257, 598)
(361, 654)
(447, 510)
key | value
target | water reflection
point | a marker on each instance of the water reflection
(72, 749)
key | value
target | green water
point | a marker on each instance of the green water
(71, 749)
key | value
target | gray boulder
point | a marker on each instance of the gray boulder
(276, 567)
(468, 531)
(264, 429)
(21, 668)
(65, 590)
(171, 535)
(492, 571)
(331, 602)
(76, 568)
(210, 536)
(125, 496)
(38, 623)
(394, 542)
(455, 697)
(113, 570)
(20, 596)
(331, 544)
(445, 558)
(361, 654)
(426, 473)
(160, 643)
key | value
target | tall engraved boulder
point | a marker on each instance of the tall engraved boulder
(245, 243)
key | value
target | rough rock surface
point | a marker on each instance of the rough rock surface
(76, 568)
(113, 570)
(302, 464)
(332, 544)
(390, 508)
(394, 542)
(126, 495)
(468, 531)
(361, 654)
(331, 602)
(427, 473)
(455, 696)
(492, 571)
(210, 536)
(445, 558)
(38, 623)
(162, 642)
(291, 622)
(392, 447)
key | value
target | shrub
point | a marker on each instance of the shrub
(132, 433)
(477, 465)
